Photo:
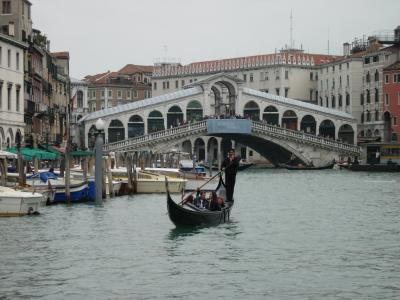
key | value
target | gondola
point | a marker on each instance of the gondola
(190, 215)
(290, 167)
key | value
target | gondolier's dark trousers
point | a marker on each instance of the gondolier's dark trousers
(230, 186)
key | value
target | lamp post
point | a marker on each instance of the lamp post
(99, 161)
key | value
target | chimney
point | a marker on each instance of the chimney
(346, 49)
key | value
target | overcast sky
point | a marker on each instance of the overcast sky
(103, 35)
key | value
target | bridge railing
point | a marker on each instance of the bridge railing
(299, 135)
(156, 136)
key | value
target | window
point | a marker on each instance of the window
(347, 99)
(1, 55)
(9, 96)
(245, 77)
(277, 75)
(17, 61)
(182, 82)
(333, 102)
(191, 80)
(119, 94)
(286, 92)
(340, 81)
(9, 58)
(366, 60)
(102, 94)
(1, 94)
(6, 7)
(128, 94)
(347, 80)
(398, 77)
(135, 94)
(79, 99)
(109, 94)
(368, 77)
(311, 94)
(368, 97)
(17, 95)
(376, 75)
(333, 68)
(286, 74)
(376, 115)
(386, 78)
(176, 84)
(375, 58)
(251, 77)
(167, 84)
(311, 76)
(398, 98)
(277, 91)
(376, 95)
(347, 65)
(387, 99)
(368, 116)
(163, 85)
(155, 86)
(340, 100)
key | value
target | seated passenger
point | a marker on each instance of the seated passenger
(201, 201)
(189, 199)
(214, 205)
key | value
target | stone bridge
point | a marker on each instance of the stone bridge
(279, 125)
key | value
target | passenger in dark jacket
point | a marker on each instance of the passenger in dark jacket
(201, 201)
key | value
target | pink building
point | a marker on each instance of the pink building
(391, 102)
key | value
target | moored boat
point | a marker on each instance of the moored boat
(303, 167)
(18, 203)
(189, 215)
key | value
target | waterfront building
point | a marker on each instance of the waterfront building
(131, 83)
(15, 20)
(11, 90)
(391, 103)
(79, 108)
(289, 73)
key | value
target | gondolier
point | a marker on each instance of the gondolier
(230, 165)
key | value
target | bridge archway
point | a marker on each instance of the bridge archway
(308, 124)
(271, 115)
(200, 149)
(346, 134)
(212, 149)
(135, 126)
(289, 120)
(251, 111)
(194, 111)
(327, 129)
(116, 131)
(187, 146)
(174, 116)
(221, 86)
(155, 122)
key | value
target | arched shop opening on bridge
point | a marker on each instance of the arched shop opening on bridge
(116, 131)
(135, 126)
(199, 147)
(346, 134)
(251, 110)
(212, 150)
(194, 111)
(187, 146)
(289, 120)
(92, 136)
(327, 129)
(174, 116)
(155, 122)
(271, 115)
(308, 124)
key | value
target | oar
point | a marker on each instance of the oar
(220, 172)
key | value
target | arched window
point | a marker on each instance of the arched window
(376, 75)
(155, 122)
(174, 116)
(251, 110)
(135, 126)
(116, 131)
(194, 111)
(79, 96)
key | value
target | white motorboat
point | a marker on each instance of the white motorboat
(18, 203)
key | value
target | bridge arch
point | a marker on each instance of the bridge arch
(194, 111)
(346, 134)
(155, 121)
(187, 146)
(271, 115)
(327, 129)
(135, 126)
(199, 149)
(224, 83)
(174, 116)
(308, 124)
(251, 110)
(116, 131)
(289, 120)
(212, 149)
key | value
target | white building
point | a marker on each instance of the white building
(11, 90)
(79, 106)
(289, 73)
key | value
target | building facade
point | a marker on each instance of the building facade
(15, 19)
(289, 73)
(391, 103)
(110, 89)
(11, 91)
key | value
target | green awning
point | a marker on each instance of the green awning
(49, 148)
(81, 153)
(29, 154)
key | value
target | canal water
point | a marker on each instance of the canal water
(293, 235)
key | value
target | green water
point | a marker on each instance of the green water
(293, 235)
